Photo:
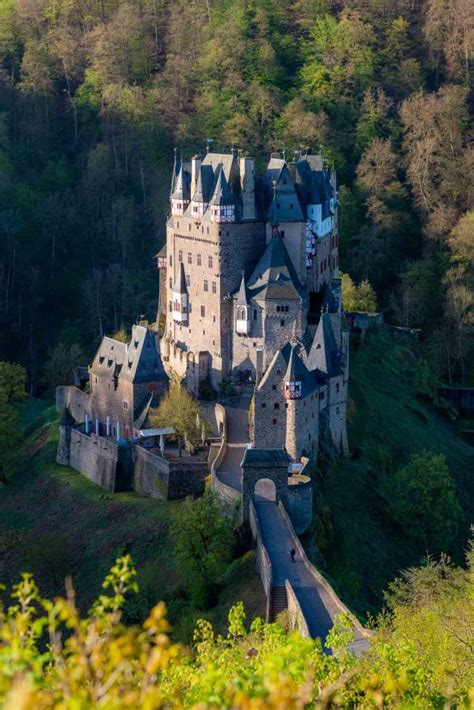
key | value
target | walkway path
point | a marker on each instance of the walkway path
(229, 471)
(317, 604)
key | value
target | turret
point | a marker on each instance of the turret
(181, 193)
(180, 297)
(222, 203)
(242, 308)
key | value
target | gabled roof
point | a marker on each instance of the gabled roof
(242, 293)
(163, 252)
(180, 285)
(283, 202)
(205, 183)
(226, 160)
(290, 357)
(324, 354)
(222, 195)
(274, 276)
(137, 361)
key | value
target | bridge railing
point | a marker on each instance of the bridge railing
(358, 628)
(226, 494)
(264, 564)
(295, 613)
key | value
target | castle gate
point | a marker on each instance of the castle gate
(264, 477)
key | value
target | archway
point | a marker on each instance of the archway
(265, 491)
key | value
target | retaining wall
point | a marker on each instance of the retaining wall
(300, 502)
(227, 495)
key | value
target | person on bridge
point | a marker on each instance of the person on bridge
(293, 553)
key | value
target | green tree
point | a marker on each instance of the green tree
(203, 546)
(179, 410)
(59, 367)
(12, 382)
(421, 498)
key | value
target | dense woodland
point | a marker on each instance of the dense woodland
(94, 95)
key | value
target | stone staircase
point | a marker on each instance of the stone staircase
(278, 603)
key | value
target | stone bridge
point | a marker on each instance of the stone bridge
(257, 480)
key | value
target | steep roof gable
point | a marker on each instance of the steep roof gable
(275, 276)
(324, 354)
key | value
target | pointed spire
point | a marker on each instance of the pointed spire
(180, 285)
(242, 294)
(181, 187)
(175, 172)
(222, 195)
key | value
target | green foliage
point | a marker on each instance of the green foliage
(12, 382)
(179, 410)
(422, 499)
(419, 655)
(203, 542)
(59, 367)
(359, 298)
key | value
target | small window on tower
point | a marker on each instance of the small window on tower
(274, 422)
(190, 258)
(209, 262)
(180, 256)
(198, 260)
(274, 387)
(282, 323)
(171, 282)
(276, 405)
(206, 285)
(214, 287)
(188, 280)
(171, 260)
(203, 312)
(255, 314)
(264, 404)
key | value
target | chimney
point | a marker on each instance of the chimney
(247, 183)
(195, 167)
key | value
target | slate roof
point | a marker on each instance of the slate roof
(324, 354)
(282, 198)
(274, 277)
(180, 285)
(137, 361)
(226, 160)
(289, 356)
(205, 184)
(222, 195)
(242, 293)
(265, 457)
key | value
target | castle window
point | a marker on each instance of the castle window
(190, 258)
(337, 410)
(264, 404)
(203, 312)
(188, 280)
(278, 205)
(255, 314)
(206, 285)
(282, 323)
(209, 261)
(171, 282)
(309, 436)
(286, 405)
(170, 306)
(108, 385)
(276, 405)
(337, 387)
(96, 380)
(189, 227)
(282, 233)
(207, 228)
(199, 260)
(321, 395)
(171, 260)
(125, 404)
(180, 256)
(274, 422)
(214, 287)
(278, 372)
(291, 205)
(213, 319)
(177, 224)
(227, 233)
(274, 387)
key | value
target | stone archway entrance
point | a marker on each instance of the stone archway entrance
(265, 491)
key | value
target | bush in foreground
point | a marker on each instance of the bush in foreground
(420, 654)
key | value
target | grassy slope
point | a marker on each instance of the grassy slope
(367, 551)
(54, 522)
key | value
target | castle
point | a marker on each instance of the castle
(249, 297)
(249, 291)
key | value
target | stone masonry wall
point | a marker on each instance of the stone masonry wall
(278, 473)
(78, 402)
(300, 502)
(160, 478)
(95, 457)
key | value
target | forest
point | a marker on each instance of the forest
(94, 95)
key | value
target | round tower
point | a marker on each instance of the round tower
(66, 424)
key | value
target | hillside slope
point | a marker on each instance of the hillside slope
(54, 523)
(390, 416)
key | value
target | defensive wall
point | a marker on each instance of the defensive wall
(158, 477)
(102, 460)
(296, 619)
(76, 400)
(226, 494)
(300, 502)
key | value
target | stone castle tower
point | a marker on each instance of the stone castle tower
(250, 291)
